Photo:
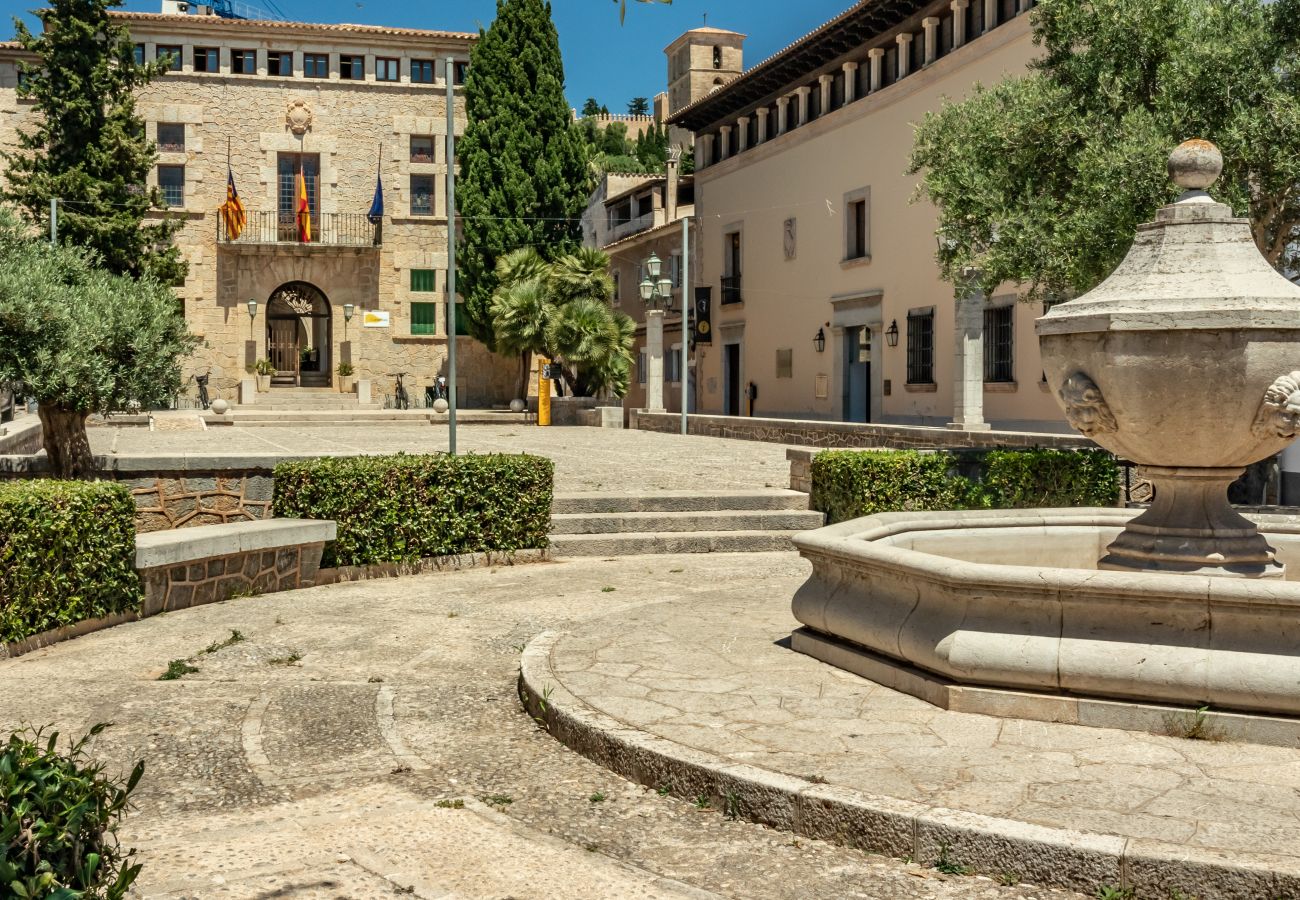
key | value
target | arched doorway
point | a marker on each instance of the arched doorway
(299, 334)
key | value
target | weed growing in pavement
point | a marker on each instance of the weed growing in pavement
(591, 848)
(1110, 892)
(664, 790)
(453, 615)
(546, 696)
(732, 808)
(607, 589)
(400, 769)
(947, 865)
(675, 571)
(701, 802)
(597, 797)
(1009, 879)
(375, 679)
(294, 657)
(176, 669)
(498, 799)
(450, 804)
(236, 636)
(1193, 726)
(814, 779)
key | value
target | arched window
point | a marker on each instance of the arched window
(717, 57)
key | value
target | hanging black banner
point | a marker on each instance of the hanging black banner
(703, 330)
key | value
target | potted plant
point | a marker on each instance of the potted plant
(264, 371)
(345, 372)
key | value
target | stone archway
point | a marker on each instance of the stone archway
(299, 335)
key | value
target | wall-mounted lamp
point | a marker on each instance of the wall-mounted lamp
(891, 334)
(252, 309)
(349, 310)
(819, 341)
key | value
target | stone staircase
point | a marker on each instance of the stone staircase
(302, 399)
(678, 522)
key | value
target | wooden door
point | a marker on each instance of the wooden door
(283, 346)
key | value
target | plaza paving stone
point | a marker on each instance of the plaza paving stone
(322, 776)
(586, 459)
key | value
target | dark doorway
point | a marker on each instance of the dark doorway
(731, 379)
(299, 335)
(857, 375)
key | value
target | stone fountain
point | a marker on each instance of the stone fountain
(1185, 361)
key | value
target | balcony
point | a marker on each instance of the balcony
(730, 289)
(327, 230)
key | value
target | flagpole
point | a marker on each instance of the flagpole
(451, 258)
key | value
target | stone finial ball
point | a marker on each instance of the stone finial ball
(440, 405)
(220, 407)
(1195, 165)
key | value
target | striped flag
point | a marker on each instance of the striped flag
(232, 211)
(304, 210)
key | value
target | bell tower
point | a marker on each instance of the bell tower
(700, 61)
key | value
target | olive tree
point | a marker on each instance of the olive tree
(80, 340)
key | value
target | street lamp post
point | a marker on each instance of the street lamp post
(656, 292)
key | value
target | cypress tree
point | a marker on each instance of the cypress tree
(523, 179)
(89, 147)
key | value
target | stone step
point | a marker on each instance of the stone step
(678, 501)
(659, 522)
(639, 543)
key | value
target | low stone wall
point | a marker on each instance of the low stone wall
(852, 434)
(567, 410)
(21, 436)
(207, 564)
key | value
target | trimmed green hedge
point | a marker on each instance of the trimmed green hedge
(405, 508)
(67, 553)
(847, 484)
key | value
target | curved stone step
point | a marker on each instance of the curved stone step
(638, 543)
(654, 522)
(678, 501)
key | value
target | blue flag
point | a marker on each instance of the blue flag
(376, 214)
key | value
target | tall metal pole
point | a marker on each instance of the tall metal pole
(686, 315)
(54, 220)
(451, 257)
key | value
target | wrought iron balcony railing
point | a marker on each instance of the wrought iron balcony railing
(327, 229)
(730, 288)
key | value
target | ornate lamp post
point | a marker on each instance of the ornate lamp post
(656, 293)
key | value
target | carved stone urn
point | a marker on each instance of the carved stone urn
(1185, 361)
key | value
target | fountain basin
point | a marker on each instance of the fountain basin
(1014, 599)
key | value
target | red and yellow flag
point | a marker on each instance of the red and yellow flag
(304, 210)
(232, 211)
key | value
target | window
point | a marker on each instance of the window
(999, 336)
(171, 180)
(785, 363)
(920, 346)
(673, 364)
(421, 149)
(422, 71)
(315, 65)
(424, 318)
(352, 68)
(279, 63)
(385, 69)
(207, 59)
(675, 269)
(459, 71)
(857, 229)
(423, 280)
(171, 137)
(288, 167)
(171, 54)
(138, 52)
(717, 57)
(243, 62)
(421, 195)
(731, 268)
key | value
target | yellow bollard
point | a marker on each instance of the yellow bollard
(543, 392)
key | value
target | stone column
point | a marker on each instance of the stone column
(705, 153)
(782, 115)
(1021, 6)
(990, 15)
(762, 124)
(724, 135)
(850, 82)
(931, 26)
(877, 56)
(968, 365)
(824, 82)
(654, 351)
(904, 55)
(742, 134)
(959, 22)
(801, 98)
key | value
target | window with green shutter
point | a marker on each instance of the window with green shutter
(462, 321)
(423, 280)
(424, 318)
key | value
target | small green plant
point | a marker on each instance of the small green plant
(457, 803)
(607, 589)
(498, 799)
(344, 369)
(815, 779)
(546, 697)
(947, 865)
(177, 668)
(453, 615)
(1110, 892)
(675, 571)
(1194, 726)
(290, 659)
(1009, 879)
(732, 806)
(264, 367)
(401, 769)
(597, 797)
(59, 818)
(235, 637)
(664, 790)
(701, 802)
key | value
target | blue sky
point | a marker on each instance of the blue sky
(601, 58)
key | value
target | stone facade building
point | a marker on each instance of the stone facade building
(817, 262)
(338, 104)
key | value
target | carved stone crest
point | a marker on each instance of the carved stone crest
(1085, 408)
(788, 237)
(1279, 413)
(298, 117)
